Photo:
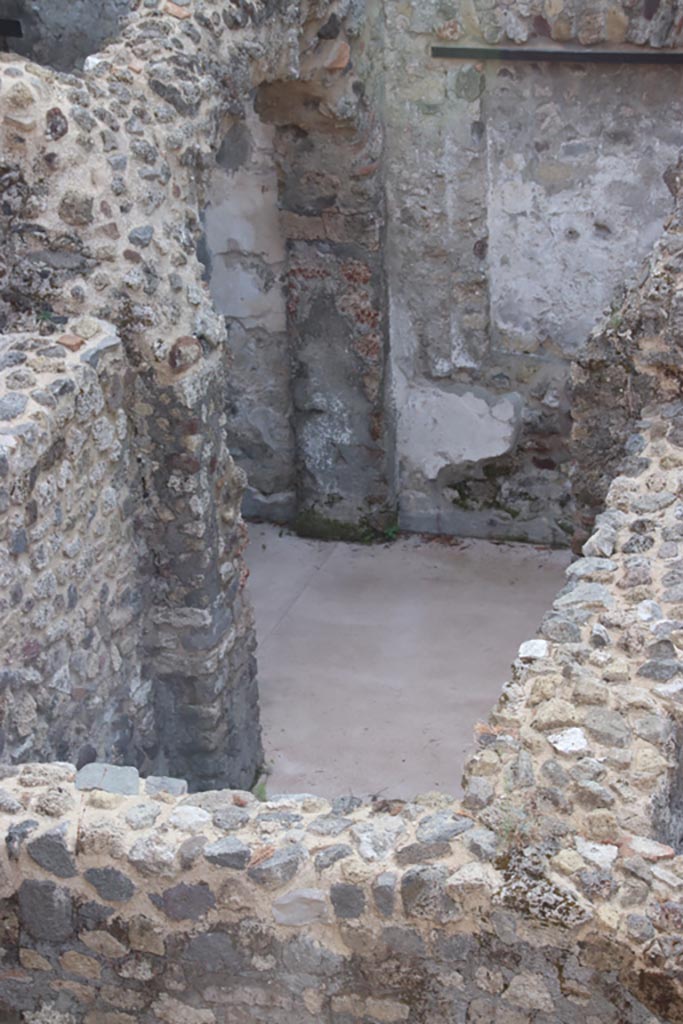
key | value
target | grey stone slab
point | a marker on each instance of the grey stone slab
(111, 778)
(164, 784)
(229, 852)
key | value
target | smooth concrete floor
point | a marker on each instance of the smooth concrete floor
(376, 662)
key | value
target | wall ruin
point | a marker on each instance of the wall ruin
(498, 209)
(102, 180)
(551, 892)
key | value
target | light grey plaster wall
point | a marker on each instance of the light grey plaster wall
(244, 255)
(520, 198)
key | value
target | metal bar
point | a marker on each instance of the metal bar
(559, 56)
(10, 28)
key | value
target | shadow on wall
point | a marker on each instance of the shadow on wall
(62, 33)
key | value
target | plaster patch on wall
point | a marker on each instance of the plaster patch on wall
(441, 428)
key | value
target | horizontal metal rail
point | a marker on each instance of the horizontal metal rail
(559, 56)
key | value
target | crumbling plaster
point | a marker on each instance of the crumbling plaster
(552, 891)
(517, 201)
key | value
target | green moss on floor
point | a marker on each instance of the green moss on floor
(316, 526)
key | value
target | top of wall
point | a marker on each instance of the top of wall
(651, 23)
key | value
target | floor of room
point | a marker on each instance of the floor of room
(376, 662)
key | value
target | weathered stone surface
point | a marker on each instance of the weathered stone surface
(185, 902)
(109, 777)
(423, 893)
(569, 741)
(384, 893)
(142, 815)
(228, 853)
(375, 839)
(189, 819)
(51, 851)
(230, 818)
(442, 826)
(607, 727)
(110, 883)
(300, 907)
(155, 784)
(46, 911)
(329, 856)
(348, 900)
(279, 868)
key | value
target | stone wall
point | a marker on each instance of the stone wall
(541, 194)
(245, 256)
(550, 893)
(456, 229)
(103, 178)
(72, 596)
(302, 286)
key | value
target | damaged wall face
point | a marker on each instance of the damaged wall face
(304, 296)
(103, 176)
(520, 198)
(495, 212)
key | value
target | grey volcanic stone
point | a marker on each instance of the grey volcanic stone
(190, 851)
(110, 884)
(141, 236)
(111, 778)
(329, 825)
(384, 893)
(228, 853)
(442, 826)
(213, 952)
(609, 727)
(348, 900)
(12, 405)
(478, 794)
(660, 669)
(229, 818)
(185, 902)
(418, 853)
(560, 629)
(8, 803)
(592, 794)
(50, 852)
(142, 815)
(482, 842)
(45, 911)
(164, 784)
(16, 834)
(326, 858)
(640, 927)
(423, 892)
(278, 869)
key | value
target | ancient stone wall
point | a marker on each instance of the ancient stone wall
(72, 594)
(103, 178)
(294, 238)
(550, 893)
(457, 228)
(540, 196)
